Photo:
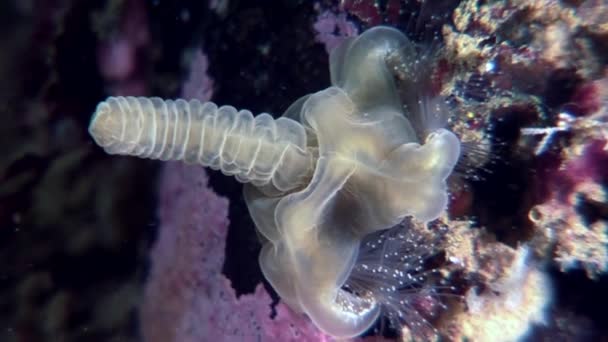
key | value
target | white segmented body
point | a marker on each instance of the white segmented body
(260, 149)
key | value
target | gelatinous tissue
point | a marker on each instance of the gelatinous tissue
(338, 165)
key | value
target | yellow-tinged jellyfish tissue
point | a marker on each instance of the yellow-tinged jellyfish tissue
(371, 172)
(340, 164)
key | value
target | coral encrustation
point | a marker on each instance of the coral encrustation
(187, 296)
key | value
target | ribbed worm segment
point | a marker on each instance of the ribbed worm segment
(260, 149)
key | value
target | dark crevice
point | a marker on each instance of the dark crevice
(502, 196)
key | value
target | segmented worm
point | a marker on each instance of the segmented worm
(260, 149)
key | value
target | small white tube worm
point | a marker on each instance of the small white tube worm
(260, 150)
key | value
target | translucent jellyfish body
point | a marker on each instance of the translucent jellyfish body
(340, 164)
(371, 172)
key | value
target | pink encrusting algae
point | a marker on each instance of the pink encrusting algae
(199, 84)
(187, 298)
(331, 29)
(119, 55)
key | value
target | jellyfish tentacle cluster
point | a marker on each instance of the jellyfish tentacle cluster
(353, 165)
